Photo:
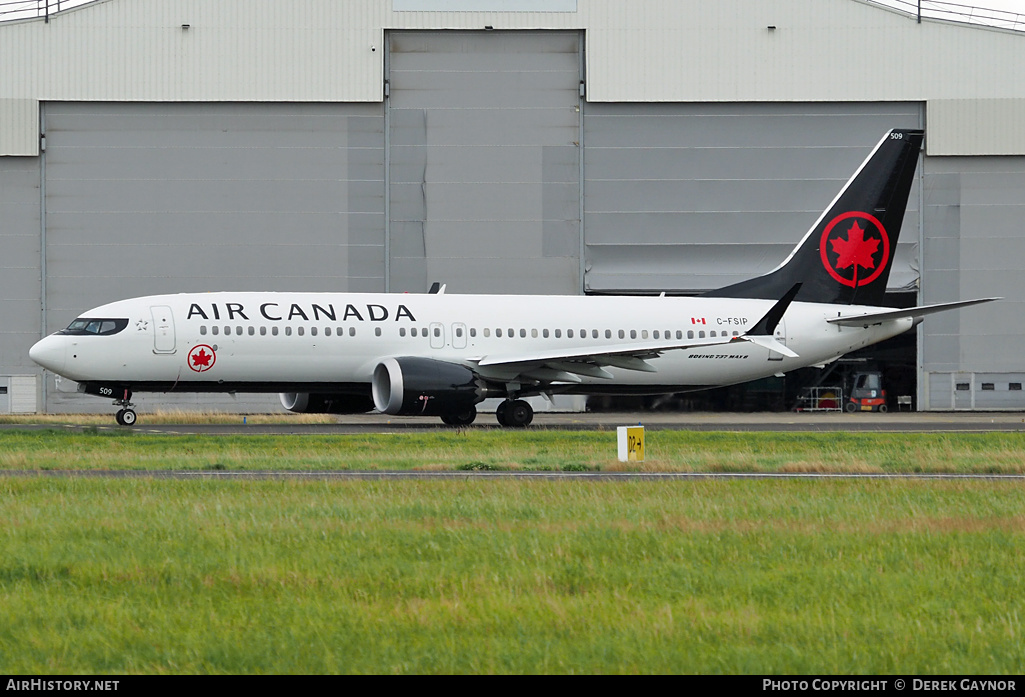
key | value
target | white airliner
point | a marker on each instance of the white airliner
(441, 354)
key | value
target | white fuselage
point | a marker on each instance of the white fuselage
(280, 341)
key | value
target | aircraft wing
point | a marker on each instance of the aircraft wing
(868, 318)
(565, 365)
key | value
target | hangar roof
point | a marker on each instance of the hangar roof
(636, 51)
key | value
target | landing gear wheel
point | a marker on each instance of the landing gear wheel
(126, 417)
(515, 413)
(464, 418)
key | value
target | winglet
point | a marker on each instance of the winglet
(762, 333)
(766, 326)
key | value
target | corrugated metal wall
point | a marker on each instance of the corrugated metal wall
(484, 161)
(973, 248)
(690, 197)
(20, 281)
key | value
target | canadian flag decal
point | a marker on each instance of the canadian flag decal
(697, 320)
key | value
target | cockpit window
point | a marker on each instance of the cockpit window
(98, 327)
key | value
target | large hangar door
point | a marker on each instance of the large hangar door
(149, 198)
(691, 197)
(483, 161)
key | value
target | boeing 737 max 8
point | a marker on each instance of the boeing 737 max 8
(441, 354)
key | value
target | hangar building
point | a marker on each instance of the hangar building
(510, 146)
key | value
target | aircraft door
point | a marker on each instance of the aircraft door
(163, 329)
(781, 337)
(459, 335)
(437, 335)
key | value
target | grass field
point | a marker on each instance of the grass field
(124, 576)
(984, 453)
(300, 576)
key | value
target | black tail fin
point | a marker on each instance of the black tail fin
(847, 254)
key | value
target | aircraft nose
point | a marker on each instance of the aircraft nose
(51, 353)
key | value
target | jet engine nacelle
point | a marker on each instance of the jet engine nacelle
(424, 387)
(306, 403)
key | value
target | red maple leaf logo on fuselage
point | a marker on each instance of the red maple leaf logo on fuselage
(201, 358)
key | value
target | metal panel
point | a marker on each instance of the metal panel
(484, 161)
(20, 283)
(974, 126)
(144, 199)
(22, 397)
(19, 127)
(972, 247)
(690, 197)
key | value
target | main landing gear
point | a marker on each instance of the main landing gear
(464, 418)
(126, 415)
(515, 413)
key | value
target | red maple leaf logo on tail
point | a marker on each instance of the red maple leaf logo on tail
(855, 249)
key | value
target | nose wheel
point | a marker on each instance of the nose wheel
(126, 417)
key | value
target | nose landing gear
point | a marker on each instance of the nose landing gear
(126, 415)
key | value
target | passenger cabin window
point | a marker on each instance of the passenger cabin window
(202, 329)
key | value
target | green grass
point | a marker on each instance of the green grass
(471, 576)
(683, 451)
(867, 577)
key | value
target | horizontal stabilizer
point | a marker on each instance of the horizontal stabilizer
(907, 313)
